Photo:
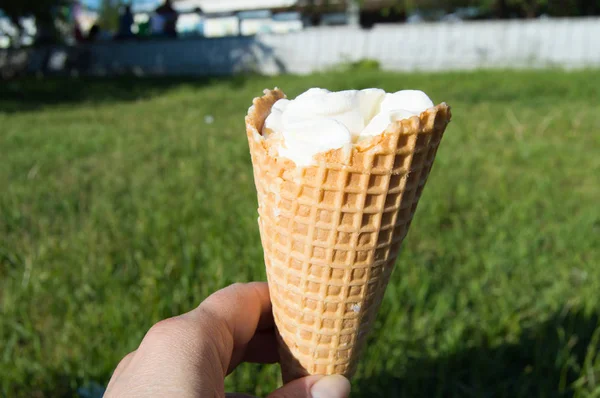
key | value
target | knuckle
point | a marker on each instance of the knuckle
(164, 331)
(213, 323)
(126, 359)
(237, 285)
(124, 362)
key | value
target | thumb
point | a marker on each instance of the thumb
(334, 386)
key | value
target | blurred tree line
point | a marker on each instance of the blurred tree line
(109, 14)
(503, 9)
(488, 9)
(51, 17)
(54, 20)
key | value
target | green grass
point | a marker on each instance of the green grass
(120, 206)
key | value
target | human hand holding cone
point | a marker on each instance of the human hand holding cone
(331, 233)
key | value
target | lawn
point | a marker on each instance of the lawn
(122, 204)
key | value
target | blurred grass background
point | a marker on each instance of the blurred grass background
(121, 204)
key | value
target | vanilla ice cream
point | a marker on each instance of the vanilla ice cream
(319, 120)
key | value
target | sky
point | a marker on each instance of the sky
(96, 3)
(207, 5)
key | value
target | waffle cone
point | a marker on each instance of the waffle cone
(331, 234)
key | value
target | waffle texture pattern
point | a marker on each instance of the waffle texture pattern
(331, 234)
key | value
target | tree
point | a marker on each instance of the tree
(47, 13)
(109, 14)
(528, 8)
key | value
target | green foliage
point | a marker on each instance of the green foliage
(109, 14)
(362, 65)
(120, 206)
(499, 8)
(47, 13)
(529, 8)
(38, 8)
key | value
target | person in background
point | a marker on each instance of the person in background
(200, 26)
(157, 24)
(168, 17)
(77, 31)
(94, 33)
(97, 34)
(78, 34)
(125, 23)
(144, 28)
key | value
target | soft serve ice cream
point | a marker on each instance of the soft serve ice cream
(319, 120)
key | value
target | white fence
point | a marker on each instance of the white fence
(566, 43)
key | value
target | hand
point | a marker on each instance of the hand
(190, 355)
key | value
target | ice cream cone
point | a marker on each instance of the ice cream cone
(331, 233)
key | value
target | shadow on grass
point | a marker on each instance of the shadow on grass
(29, 94)
(555, 359)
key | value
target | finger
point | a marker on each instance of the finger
(243, 301)
(335, 386)
(192, 351)
(236, 312)
(262, 348)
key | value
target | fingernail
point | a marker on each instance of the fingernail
(335, 386)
